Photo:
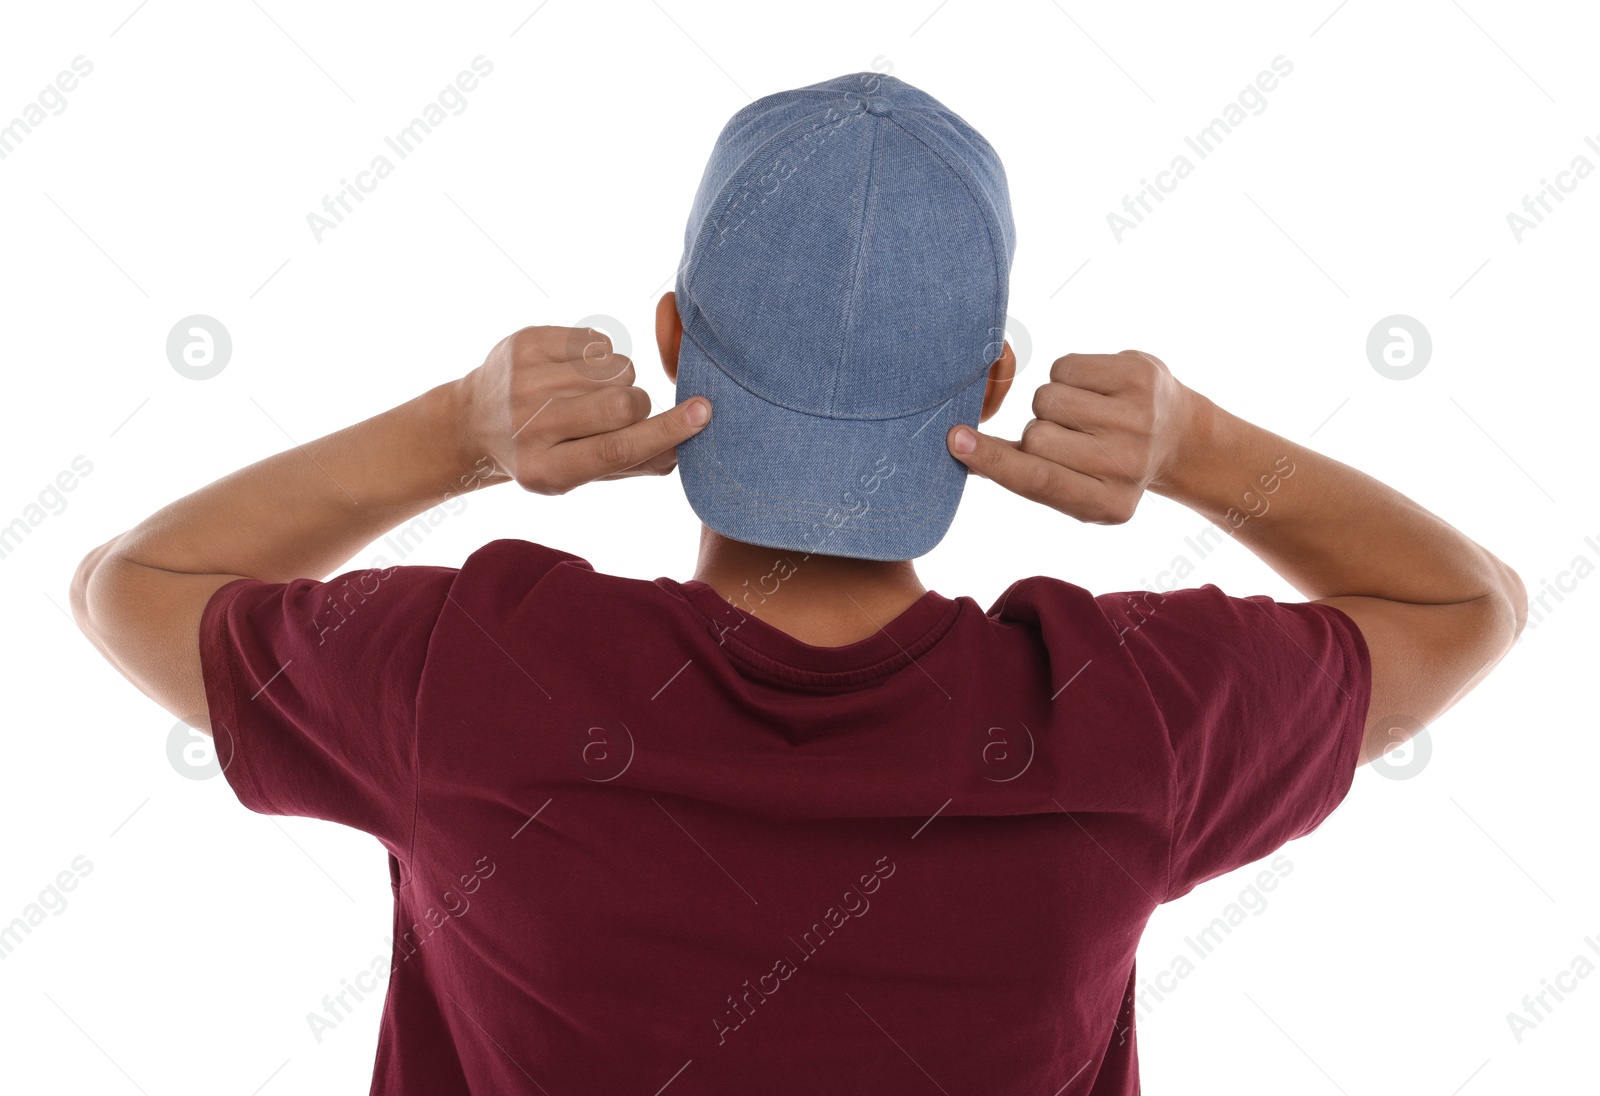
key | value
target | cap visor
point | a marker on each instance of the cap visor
(865, 488)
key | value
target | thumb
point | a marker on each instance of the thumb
(984, 454)
(694, 413)
(672, 427)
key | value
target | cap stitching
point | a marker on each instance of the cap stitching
(869, 201)
(981, 202)
(710, 438)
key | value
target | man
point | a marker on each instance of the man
(797, 824)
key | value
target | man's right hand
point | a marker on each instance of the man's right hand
(1106, 428)
(1436, 609)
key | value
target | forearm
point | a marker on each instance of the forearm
(532, 414)
(306, 510)
(1327, 528)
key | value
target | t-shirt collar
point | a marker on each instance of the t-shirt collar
(896, 644)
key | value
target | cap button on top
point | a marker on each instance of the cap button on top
(877, 104)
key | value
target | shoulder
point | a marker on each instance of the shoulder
(506, 577)
(513, 561)
(1055, 606)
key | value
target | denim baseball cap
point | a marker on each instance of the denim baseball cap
(843, 295)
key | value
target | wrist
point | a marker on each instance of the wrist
(449, 406)
(1198, 428)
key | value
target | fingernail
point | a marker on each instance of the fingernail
(965, 440)
(697, 413)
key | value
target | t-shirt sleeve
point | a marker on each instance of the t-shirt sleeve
(1265, 706)
(312, 692)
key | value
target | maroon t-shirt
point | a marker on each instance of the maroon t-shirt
(641, 841)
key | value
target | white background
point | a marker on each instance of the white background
(1377, 181)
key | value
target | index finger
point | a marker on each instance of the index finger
(580, 460)
(1033, 477)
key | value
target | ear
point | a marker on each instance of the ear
(669, 333)
(1001, 374)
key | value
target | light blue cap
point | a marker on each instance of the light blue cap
(843, 294)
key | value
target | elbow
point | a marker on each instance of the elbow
(1513, 601)
(82, 580)
(78, 592)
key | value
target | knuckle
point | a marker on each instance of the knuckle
(615, 451)
(529, 344)
(1063, 365)
(1033, 436)
(1045, 402)
(1125, 458)
(1143, 370)
(1116, 510)
(619, 405)
(1137, 419)
(1038, 480)
(534, 480)
(620, 366)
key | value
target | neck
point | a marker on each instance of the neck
(826, 601)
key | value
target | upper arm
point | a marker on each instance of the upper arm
(309, 687)
(1426, 657)
(146, 622)
(1263, 704)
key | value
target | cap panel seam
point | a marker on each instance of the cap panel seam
(758, 161)
(987, 214)
(868, 201)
